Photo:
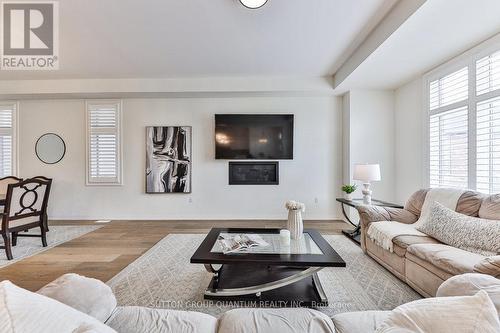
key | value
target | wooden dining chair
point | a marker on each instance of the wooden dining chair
(25, 208)
(45, 216)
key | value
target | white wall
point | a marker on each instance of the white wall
(409, 139)
(370, 121)
(315, 172)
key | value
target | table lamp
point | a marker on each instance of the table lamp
(366, 173)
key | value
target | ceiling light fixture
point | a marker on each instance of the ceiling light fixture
(253, 4)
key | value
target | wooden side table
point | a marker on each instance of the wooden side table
(355, 234)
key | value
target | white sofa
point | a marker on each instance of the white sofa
(92, 298)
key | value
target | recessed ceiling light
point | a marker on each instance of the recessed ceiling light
(253, 4)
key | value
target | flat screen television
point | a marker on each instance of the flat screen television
(254, 136)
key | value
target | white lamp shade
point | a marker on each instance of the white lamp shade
(253, 4)
(366, 172)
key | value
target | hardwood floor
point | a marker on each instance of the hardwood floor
(103, 253)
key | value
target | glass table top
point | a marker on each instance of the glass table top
(276, 245)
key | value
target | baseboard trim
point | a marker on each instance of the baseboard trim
(258, 220)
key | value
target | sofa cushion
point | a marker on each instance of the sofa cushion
(464, 314)
(22, 311)
(404, 241)
(490, 207)
(489, 265)
(136, 319)
(423, 276)
(448, 258)
(84, 294)
(469, 203)
(416, 201)
(362, 321)
(469, 284)
(465, 232)
(274, 321)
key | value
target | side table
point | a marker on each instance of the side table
(355, 234)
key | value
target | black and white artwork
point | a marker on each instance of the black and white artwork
(168, 159)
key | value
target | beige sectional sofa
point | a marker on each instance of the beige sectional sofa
(423, 262)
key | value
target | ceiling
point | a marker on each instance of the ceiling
(207, 38)
(438, 31)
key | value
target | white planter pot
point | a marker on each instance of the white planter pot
(295, 223)
(348, 196)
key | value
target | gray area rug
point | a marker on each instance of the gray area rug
(28, 246)
(164, 278)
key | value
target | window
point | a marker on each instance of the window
(103, 143)
(464, 123)
(8, 139)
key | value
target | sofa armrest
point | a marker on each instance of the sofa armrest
(369, 214)
(489, 265)
(86, 295)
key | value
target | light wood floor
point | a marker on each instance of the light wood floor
(103, 253)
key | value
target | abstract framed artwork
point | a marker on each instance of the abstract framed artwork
(168, 159)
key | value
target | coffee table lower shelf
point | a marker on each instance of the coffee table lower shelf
(283, 286)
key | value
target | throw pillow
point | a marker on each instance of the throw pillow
(87, 295)
(464, 232)
(469, 284)
(465, 314)
(22, 311)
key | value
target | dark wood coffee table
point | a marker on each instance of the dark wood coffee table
(276, 275)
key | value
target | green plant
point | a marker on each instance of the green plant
(349, 188)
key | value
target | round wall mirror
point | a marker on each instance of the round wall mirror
(50, 148)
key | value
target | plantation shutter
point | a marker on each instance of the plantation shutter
(488, 74)
(6, 139)
(449, 149)
(448, 130)
(450, 89)
(103, 143)
(488, 123)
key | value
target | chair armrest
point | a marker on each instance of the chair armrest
(369, 214)
(489, 265)
(86, 295)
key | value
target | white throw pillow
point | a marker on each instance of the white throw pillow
(464, 232)
(462, 314)
(22, 311)
(470, 284)
(87, 295)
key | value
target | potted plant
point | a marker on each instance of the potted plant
(348, 190)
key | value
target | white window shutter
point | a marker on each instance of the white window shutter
(488, 74)
(104, 150)
(488, 146)
(448, 153)
(449, 89)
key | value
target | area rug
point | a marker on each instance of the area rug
(29, 246)
(164, 278)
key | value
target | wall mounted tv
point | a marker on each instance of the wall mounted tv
(254, 136)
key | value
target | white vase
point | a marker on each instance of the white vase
(347, 196)
(295, 224)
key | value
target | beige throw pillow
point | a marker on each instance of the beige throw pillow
(463, 314)
(22, 311)
(468, 233)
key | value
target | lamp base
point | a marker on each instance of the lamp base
(367, 194)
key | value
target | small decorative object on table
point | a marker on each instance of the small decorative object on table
(295, 224)
(285, 237)
(348, 190)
